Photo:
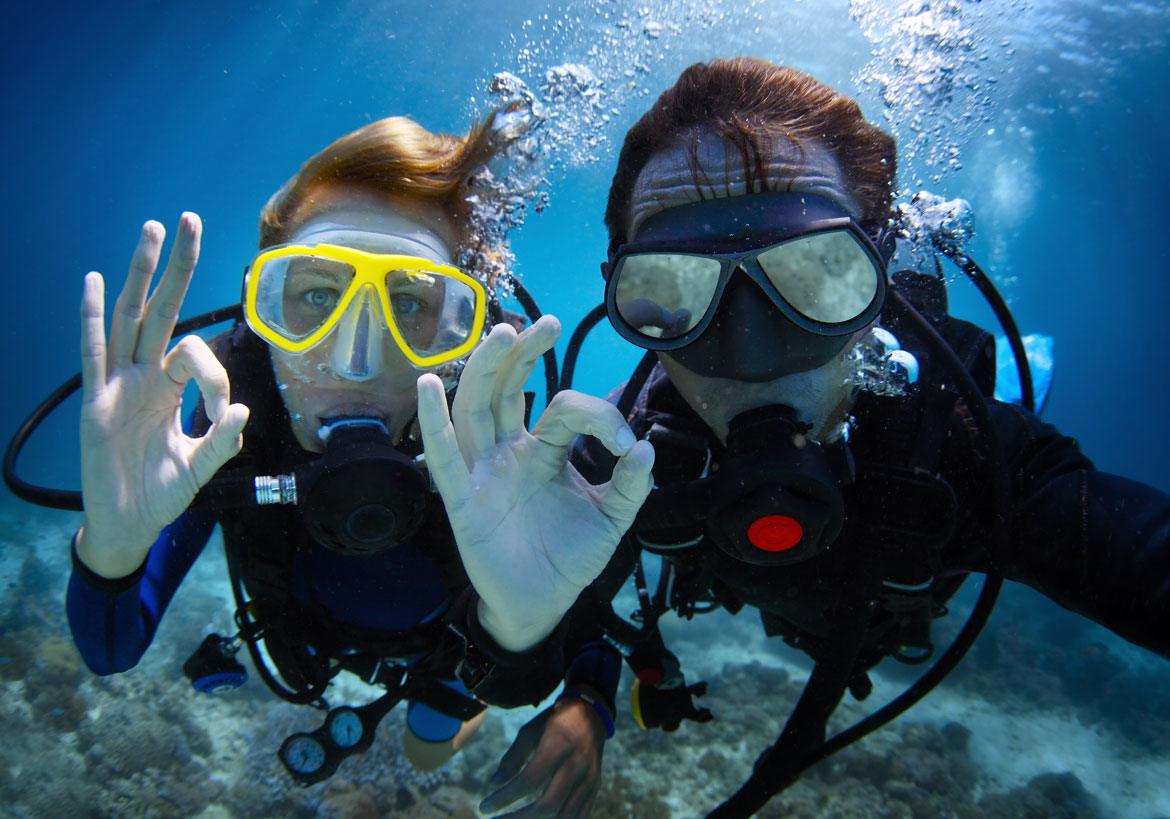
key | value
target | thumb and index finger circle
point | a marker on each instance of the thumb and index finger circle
(572, 413)
(221, 443)
(192, 359)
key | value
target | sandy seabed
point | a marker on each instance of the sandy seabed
(1024, 729)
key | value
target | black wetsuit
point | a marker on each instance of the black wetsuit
(1097, 544)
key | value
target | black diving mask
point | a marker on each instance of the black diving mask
(747, 287)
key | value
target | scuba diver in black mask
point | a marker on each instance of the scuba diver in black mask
(750, 234)
(307, 450)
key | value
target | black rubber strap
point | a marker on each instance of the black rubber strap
(804, 733)
(433, 694)
(482, 655)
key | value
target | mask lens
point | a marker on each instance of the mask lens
(435, 314)
(828, 277)
(295, 295)
(664, 295)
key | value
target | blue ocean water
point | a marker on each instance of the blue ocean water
(1049, 116)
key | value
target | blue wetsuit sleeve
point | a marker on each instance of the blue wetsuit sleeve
(1097, 544)
(599, 666)
(113, 621)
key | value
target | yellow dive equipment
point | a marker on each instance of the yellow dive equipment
(296, 295)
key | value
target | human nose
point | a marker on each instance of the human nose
(357, 350)
(364, 348)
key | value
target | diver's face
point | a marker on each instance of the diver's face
(320, 383)
(821, 396)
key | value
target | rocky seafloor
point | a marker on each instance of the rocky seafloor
(1048, 717)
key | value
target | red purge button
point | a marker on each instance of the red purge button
(649, 675)
(775, 533)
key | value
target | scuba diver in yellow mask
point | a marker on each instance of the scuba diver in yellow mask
(329, 416)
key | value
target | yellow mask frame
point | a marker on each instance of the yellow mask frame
(369, 269)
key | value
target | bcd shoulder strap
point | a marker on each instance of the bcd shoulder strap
(909, 512)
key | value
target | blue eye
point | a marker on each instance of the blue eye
(405, 305)
(322, 297)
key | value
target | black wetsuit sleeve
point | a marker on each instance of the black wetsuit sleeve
(516, 677)
(599, 666)
(527, 677)
(1097, 544)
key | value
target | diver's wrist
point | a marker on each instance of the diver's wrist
(511, 636)
(107, 558)
(599, 714)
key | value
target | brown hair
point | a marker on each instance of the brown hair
(749, 102)
(393, 156)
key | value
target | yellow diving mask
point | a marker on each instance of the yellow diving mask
(296, 295)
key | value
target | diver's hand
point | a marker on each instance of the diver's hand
(139, 471)
(556, 755)
(531, 531)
